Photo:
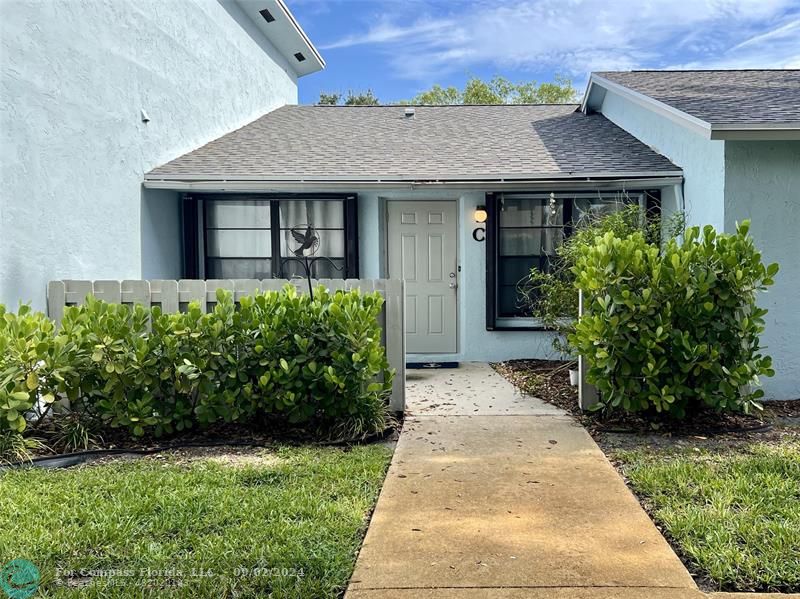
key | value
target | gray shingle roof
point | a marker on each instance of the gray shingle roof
(721, 97)
(438, 143)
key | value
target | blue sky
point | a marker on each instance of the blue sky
(400, 47)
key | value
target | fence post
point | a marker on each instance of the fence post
(76, 292)
(56, 299)
(136, 292)
(396, 340)
(165, 293)
(190, 290)
(587, 394)
(108, 291)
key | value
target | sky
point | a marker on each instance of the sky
(398, 48)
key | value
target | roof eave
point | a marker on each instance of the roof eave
(756, 131)
(207, 183)
(285, 34)
(678, 116)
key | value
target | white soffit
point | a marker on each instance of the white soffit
(276, 22)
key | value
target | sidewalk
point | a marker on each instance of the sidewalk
(492, 494)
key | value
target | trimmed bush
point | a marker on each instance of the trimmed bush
(550, 296)
(277, 355)
(676, 329)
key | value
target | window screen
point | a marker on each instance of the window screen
(524, 231)
(251, 238)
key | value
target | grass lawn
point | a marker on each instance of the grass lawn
(282, 523)
(733, 514)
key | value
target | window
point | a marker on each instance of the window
(250, 237)
(524, 230)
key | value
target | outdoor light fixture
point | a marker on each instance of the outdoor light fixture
(479, 233)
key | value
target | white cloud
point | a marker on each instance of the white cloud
(386, 32)
(578, 36)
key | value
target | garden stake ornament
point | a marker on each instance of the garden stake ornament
(306, 240)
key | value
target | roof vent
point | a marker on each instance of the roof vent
(299, 56)
(267, 15)
(409, 112)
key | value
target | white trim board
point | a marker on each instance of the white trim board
(740, 131)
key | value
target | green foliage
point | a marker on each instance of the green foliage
(733, 514)
(15, 447)
(551, 297)
(36, 365)
(74, 432)
(500, 90)
(279, 354)
(675, 329)
(361, 98)
(285, 522)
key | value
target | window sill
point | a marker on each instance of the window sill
(518, 324)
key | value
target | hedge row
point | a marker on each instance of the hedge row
(276, 354)
(677, 328)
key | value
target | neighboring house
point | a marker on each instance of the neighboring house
(736, 135)
(94, 94)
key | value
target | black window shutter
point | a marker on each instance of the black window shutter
(191, 242)
(491, 260)
(352, 270)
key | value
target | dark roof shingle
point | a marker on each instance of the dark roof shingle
(721, 97)
(437, 143)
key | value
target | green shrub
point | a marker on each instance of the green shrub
(36, 365)
(551, 297)
(676, 329)
(277, 355)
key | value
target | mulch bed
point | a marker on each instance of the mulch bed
(220, 435)
(549, 380)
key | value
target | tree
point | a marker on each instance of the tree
(329, 99)
(499, 90)
(362, 98)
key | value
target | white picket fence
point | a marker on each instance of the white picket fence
(174, 296)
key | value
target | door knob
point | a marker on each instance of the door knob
(453, 285)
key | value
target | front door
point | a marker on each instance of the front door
(422, 251)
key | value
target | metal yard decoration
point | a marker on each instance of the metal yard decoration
(306, 244)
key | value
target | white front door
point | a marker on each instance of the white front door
(422, 250)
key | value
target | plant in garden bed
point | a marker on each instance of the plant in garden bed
(317, 362)
(676, 329)
(551, 296)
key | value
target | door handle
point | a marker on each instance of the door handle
(453, 285)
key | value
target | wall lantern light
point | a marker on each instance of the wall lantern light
(479, 233)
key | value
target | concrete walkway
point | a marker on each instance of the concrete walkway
(492, 494)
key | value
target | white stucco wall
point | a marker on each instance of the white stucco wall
(73, 147)
(762, 183)
(702, 160)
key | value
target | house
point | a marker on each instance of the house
(95, 94)
(165, 143)
(398, 191)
